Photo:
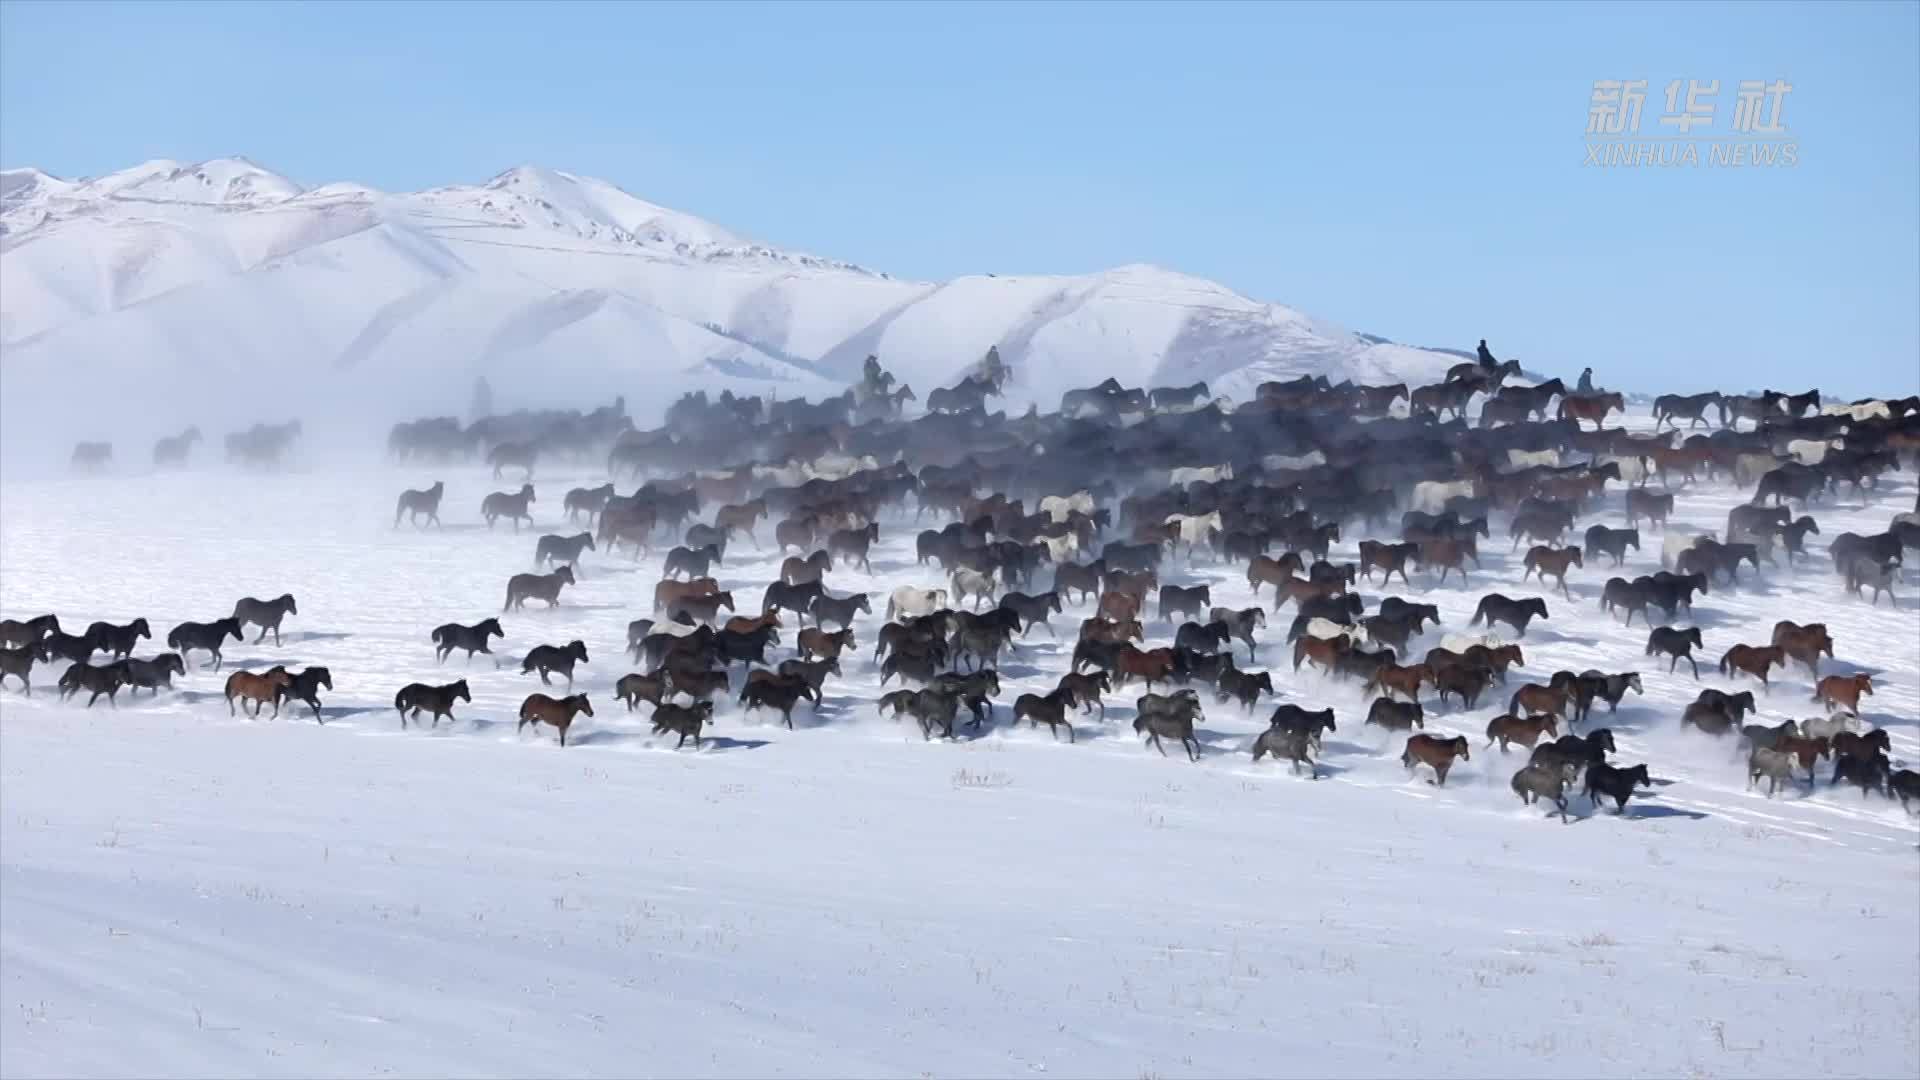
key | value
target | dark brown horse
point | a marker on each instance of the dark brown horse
(559, 712)
(1435, 752)
(1754, 660)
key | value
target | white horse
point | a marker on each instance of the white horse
(1462, 642)
(1811, 451)
(907, 600)
(1194, 528)
(1185, 475)
(1061, 507)
(970, 582)
(1527, 459)
(1633, 470)
(1327, 630)
(1430, 496)
(1061, 548)
(1829, 727)
(1295, 462)
(1866, 410)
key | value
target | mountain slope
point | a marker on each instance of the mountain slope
(162, 276)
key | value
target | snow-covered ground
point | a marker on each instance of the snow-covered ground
(185, 893)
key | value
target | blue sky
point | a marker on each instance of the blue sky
(1413, 171)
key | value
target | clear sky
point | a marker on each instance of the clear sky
(1413, 171)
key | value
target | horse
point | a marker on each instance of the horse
(588, 501)
(502, 504)
(118, 641)
(207, 637)
(304, 686)
(106, 679)
(1676, 643)
(1551, 562)
(1497, 608)
(173, 449)
(523, 587)
(682, 720)
(1754, 660)
(562, 550)
(1436, 753)
(1838, 691)
(1594, 407)
(540, 709)
(1526, 731)
(258, 689)
(451, 636)
(516, 455)
(92, 456)
(550, 658)
(436, 700)
(266, 614)
(414, 502)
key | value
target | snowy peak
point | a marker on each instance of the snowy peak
(20, 186)
(592, 210)
(220, 182)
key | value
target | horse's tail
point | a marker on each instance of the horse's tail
(400, 700)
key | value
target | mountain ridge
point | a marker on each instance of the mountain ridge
(158, 274)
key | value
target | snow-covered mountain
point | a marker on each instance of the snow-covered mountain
(557, 288)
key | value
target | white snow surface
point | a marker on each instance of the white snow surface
(165, 277)
(185, 893)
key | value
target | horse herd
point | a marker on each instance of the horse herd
(1124, 481)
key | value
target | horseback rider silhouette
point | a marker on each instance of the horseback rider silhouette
(1486, 356)
(1586, 382)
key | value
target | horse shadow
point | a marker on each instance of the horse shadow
(252, 662)
(317, 635)
(1707, 618)
(1829, 666)
(1653, 811)
(341, 712)
(1888, 720)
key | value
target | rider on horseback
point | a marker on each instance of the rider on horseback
(1486, 356)
(1586, 382)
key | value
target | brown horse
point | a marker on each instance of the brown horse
(1551, 562)
(1513, 729)
(741, 516)
(798, 571)
(1393, 679)
(702, 609)
(540, 709)
(1755, 660)
(1436, 753)
(666, 592)
(1834, 691)
(1594, 407)
(1152, 665)
(1447, 555)
(1111, 630)
(1300, 590)
(259, 689)
(1803, 643)
(745, 624)
(816, 642)
(1539, 701)
(1806, 751)
(1266, 570)
(1323, 653)
(1120, 606)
